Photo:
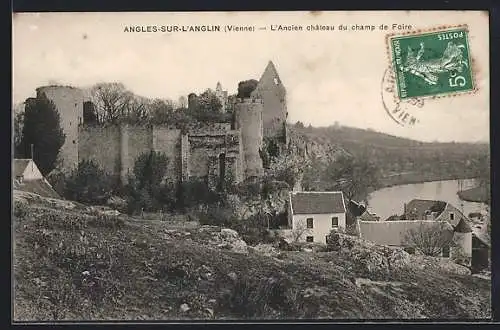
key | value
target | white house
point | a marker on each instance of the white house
(312, 215)
(26, 170)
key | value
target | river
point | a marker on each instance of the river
(389, 201)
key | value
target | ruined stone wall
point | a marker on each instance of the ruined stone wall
(249, 122)
(197, 153)
(102, 144)
(274, 113)
(205, 148)
(273, 94)
(69, 103)
(140, 140)
(168, 141)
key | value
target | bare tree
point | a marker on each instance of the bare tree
(161, 111)
(18, 128)
(298, 230)
(431, 238)
(138, 109)
(111, 100)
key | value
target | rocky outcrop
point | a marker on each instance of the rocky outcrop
(301, 145)
(275, 203)
(372, 258)
(222, 238)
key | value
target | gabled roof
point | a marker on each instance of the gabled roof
(367, 216)
(270, 71)
(418, 207)
(462, 227)
(270, 80)
(20, 166)
(326, 202)
(394, 217)
(484, 239)
(355, 208)
(394, 232)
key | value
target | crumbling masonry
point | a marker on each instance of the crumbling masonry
(216, 152)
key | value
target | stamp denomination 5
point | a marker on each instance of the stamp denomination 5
(431, 63)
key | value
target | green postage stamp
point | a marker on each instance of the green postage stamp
(432, 63)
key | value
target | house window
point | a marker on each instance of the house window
(309, 222)
(452, 216)
(74, 141)
(309, 239)
(335, 222)
(446, 252)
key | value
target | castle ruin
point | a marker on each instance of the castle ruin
(215, 151)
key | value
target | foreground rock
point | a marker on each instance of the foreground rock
(223, 238)
(32, 198)
(383, 259)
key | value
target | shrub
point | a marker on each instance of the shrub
(20, 210)
(248, 189)
(253, 230)
(42, 129)
(196, 192)
(253, 298)
(88, 184)
(147, 189)
(57, 180)
(217, 216)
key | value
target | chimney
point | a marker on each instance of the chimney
(32, 161)
(404, 208)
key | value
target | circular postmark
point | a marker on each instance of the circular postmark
(402, 112)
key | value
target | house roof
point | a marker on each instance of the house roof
(394, 217)
(41, 187)
(484, 239)
(418, 207)
(462, 227)
(20, 166)
(318, 202)
(394, 232)
(355, 208)
(367, 216)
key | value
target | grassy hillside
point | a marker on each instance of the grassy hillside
(76, 264)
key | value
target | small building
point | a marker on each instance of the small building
(27, 177)
(395, 234)
(314, 214)
(423, 209)
(25, 170)
(481, 247)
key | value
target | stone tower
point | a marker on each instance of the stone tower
(272, 92)
(221, 96)
(69, 103)
(248, 119)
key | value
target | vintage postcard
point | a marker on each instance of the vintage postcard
(251, 166)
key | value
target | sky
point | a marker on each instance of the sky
(330, 76)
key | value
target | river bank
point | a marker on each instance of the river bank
(389, 201)
(415, 178)
(476, 194)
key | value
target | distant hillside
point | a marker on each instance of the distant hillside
(356, 137)
(401, 160)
